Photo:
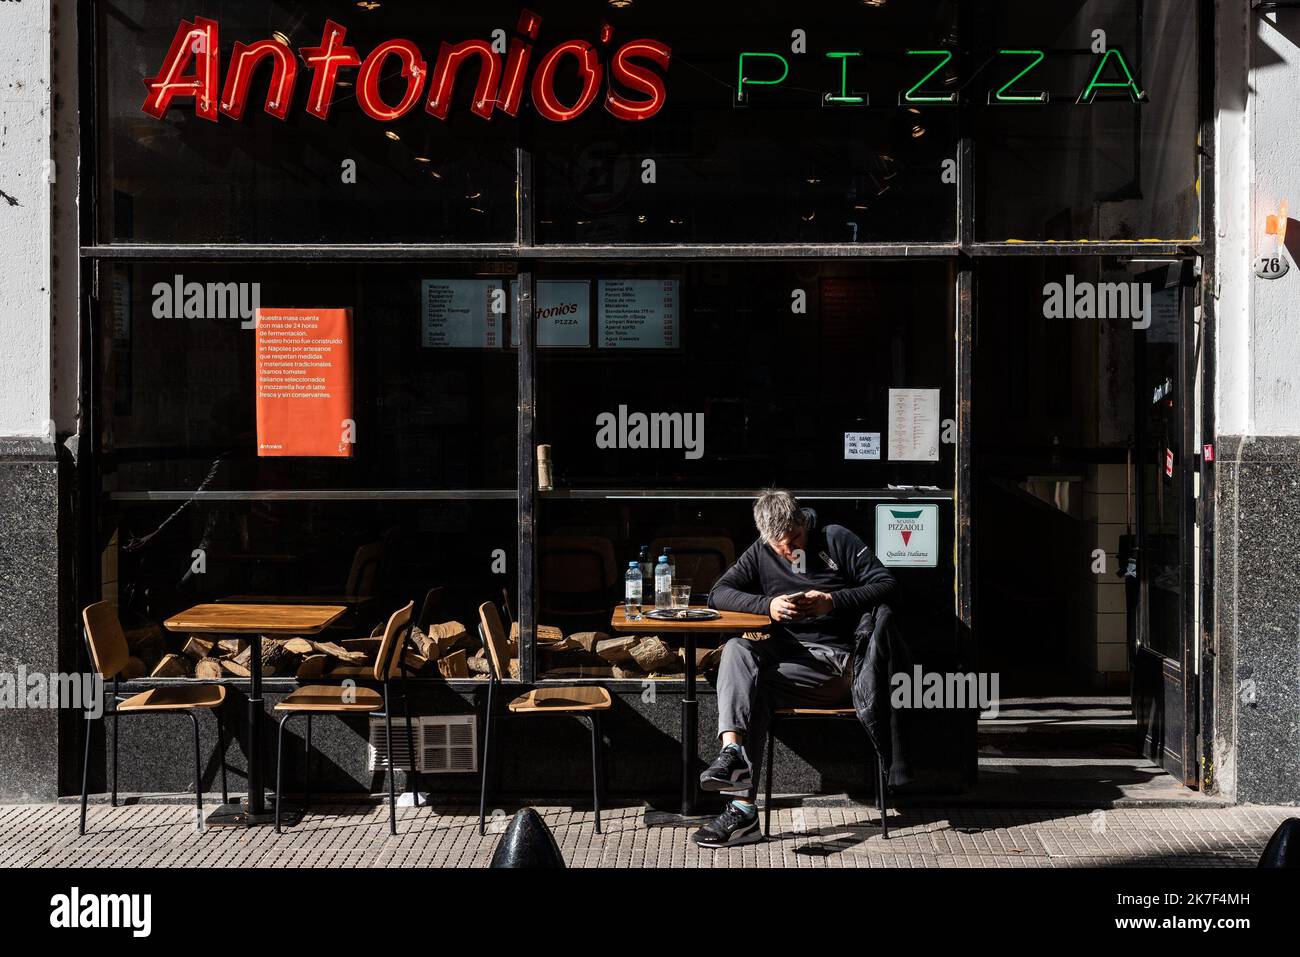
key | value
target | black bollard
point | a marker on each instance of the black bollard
(1283, 848)
(527, 842)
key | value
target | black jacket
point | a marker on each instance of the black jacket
(880, 654)
(836, 561)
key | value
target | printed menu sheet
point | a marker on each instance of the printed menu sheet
(461, 313)
(639, 313)
(914, 425)
(304, 382)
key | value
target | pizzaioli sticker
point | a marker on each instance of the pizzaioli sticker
(907, 536)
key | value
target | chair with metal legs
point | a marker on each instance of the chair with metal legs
(836, 714)
(344, 699)
(108, 655)
(584, 702)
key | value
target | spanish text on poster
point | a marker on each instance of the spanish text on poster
(304, 382)
(639, 313)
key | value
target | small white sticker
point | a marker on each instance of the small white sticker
(862, 445)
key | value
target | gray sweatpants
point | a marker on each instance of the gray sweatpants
(756, 677)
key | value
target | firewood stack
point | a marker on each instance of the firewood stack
(202, 657)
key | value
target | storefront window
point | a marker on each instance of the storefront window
(779, 123)
(245, 454)
(278, 172)
(689, 387)
(1103, 158)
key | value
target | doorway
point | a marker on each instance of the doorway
(1082, 520)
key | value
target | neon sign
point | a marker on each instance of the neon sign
(632, 79)
(1112, 77)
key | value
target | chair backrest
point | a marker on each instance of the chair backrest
(392, 646)
(432, 599)
(577, 564)
(108, 648)
(495, 640)
(701, 559)
(364, 571)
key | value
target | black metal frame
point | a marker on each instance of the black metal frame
(590, 718)
(385, 666)
(881, 786)
(116, 714)
(966, 252)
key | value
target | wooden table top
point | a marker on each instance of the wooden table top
(241, 619)
(731, 621)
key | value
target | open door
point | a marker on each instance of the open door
(1165, 686)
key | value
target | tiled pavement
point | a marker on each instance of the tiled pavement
(356, 835)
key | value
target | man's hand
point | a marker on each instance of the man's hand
(785, 608)
(815, 604)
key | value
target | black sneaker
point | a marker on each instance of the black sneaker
(730, 771)
(732, 827)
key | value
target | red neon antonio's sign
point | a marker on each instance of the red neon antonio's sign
(629, 78)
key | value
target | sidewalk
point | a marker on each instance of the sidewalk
(356, 835)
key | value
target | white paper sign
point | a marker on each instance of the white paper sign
(563, 311)
(907, 536)
(914, 425)
(459, 314)
(862, 445)
(639, 313)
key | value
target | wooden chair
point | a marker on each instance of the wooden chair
(584, 702)
(108, 655)
(824, 714)
(345, 699)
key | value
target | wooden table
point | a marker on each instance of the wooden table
(728, 623)
(252, 621)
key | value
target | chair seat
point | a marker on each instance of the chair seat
(331, 698)
(178, 698)
(575, 698)
(816, 712)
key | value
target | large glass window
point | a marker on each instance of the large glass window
(1096, 161)
(367, 464)
(693, 385)
(345, 177)
(747, 147)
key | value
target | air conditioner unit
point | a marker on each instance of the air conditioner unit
(445, 743)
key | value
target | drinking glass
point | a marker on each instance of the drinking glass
(681, 596)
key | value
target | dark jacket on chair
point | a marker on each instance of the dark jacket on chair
(880, 653)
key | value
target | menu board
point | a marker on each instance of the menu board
(563, 313)
(304, 382)
(639, 313)
(461, 313)
(914, 425)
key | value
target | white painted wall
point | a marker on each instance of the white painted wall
(1258, 117)
(25, 218)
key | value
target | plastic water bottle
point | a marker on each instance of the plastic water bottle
(632, 591)
(663, 584)
(672, 561)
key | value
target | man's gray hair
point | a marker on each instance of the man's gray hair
(777, 513)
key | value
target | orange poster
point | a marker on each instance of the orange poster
(304, 382)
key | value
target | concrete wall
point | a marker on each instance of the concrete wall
(30, 574)
(1257, 386)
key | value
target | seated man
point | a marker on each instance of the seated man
(815, 583)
